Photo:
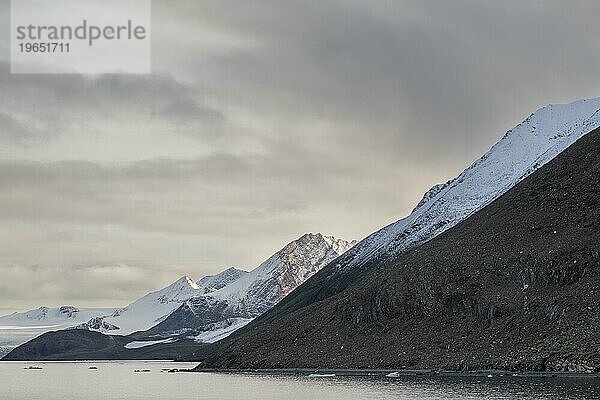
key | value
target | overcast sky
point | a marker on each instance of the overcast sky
(263, 120)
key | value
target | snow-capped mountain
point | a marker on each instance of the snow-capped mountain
(52, 316)
(220, 312)
(212, 283)
(524, 149)
(228, 297)
(18, 328)
(513, 287)
(271, 281)
(146, 311)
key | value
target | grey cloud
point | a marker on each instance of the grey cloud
(15, 131)
(420, 77)
(181, 196)
(330, 116)
(102, 285)
(52, 105)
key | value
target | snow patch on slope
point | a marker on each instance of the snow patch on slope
(217, 333)
(212, 283)
(147, 311)
(140, 344)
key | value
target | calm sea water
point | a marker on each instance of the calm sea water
(117, 380)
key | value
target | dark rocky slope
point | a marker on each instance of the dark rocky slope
(515, 286)
(75, 344)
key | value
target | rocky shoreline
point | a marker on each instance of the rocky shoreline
(393, 373)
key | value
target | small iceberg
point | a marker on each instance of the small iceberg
(393, 375)
(321, 375)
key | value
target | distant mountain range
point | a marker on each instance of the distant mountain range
(240, 297)
(363, 308)
(232, 298)
(217, 305)
(18, 328)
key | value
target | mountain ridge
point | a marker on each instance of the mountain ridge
(522, 150)
(220, 312)
(140, 317)
(251, 290)
(513, 287)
